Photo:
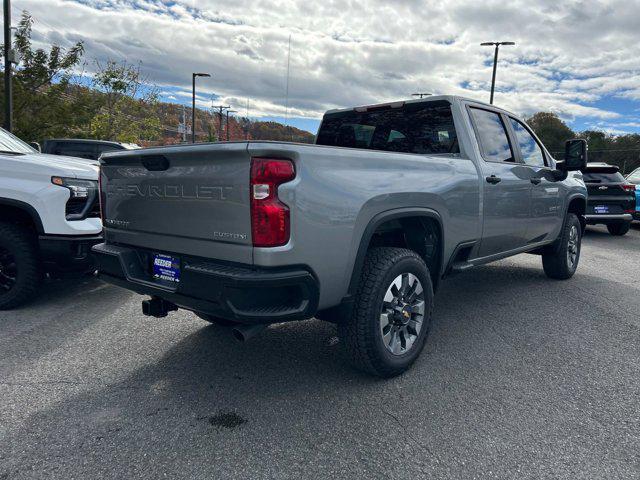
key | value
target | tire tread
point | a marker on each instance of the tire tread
(355, 331)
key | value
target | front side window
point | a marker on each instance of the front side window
(492, 136)
(529, 148)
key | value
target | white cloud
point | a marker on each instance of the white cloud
(568, 54)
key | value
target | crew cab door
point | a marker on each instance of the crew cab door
(506, 186)
(545, 215)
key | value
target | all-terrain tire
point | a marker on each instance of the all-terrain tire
(19, 259)
(561, 262)
(361, 332)
(619, 229)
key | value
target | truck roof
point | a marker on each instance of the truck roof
(431, 98)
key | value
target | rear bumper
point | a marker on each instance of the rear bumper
(68, 253)
(593, 219)
(240, 293)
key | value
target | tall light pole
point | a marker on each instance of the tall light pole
(193, 103)
(495, 63)
(8, 58)
(420, 95)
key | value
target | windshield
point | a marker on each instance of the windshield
(11, 143)
(634, 177)
(424, 127)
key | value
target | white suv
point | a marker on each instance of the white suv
(49, 217)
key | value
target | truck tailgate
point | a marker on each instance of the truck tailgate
(184, 199)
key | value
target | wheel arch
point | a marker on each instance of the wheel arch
(21, 212)
(578, 204)
(410, 221)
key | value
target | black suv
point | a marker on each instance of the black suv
(611, 199)
(83, 148)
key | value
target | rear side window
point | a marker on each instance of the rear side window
(492, 136)
(423, 128)
(76, 149)
(529, 148)
(603, 177)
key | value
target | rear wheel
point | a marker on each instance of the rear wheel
(561, 263)
(391, 314)
(619, 229)
(217, 320)
(19, 266)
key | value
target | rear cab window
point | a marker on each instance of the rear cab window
(76, 149)
(421, 127)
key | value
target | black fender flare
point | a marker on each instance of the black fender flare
(571, 199)
(32, 212)
(378, 220)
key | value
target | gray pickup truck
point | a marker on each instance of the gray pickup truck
(358, 229)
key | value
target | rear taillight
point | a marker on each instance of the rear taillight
(629, 187)
(269, 216)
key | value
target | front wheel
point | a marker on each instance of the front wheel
(19, 266)
(391, 315)
(619, 229)
(562, 261)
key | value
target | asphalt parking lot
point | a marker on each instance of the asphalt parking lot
(522, 377)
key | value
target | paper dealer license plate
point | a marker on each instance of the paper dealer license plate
(166, 267)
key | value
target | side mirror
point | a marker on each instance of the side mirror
(36, 145)
(575, 155)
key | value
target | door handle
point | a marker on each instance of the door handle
(493, 179)
(536, 181)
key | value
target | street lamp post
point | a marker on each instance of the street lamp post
(193, 103)
(495, 63)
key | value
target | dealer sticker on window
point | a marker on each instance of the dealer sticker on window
(166, 267)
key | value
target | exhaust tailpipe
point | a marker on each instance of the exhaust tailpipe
(242, 333)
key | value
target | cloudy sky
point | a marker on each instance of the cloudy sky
(580, 59)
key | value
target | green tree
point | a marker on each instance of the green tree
(41, 80)
(129, 112)
(551, 130)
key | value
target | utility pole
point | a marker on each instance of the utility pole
(228, 112)
(8, 59)
(184, 124)
(221, 109)
(248, 122)
(193, 103)
(495, 63)
(421, 95)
